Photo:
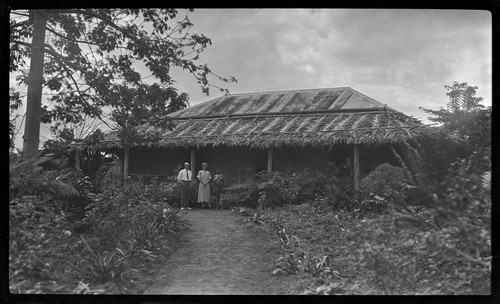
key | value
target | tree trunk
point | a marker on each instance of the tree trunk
(31, 138)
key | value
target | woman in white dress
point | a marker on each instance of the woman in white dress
(204, 188)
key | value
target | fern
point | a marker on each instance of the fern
(29, 178)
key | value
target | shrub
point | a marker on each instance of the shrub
(442, 247)
(341, 193)
(384, 180)
(151, 232)
(240, 195)
(29, 178)
(297, 260)
(102, 267)
(39, 238)
(136, 205)
(339, 188)
(50, 203)
(462, 208)
(288, 184)
(295, 185)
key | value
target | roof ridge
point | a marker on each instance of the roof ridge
(302, 113)
(282, 91)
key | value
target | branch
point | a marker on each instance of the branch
(51, 51)
(19, 14)
(19, 129)
(177, 26)
(87, 131)
(20, 24)
(62, 60)
(108, 22)
(69, 39)
(100, 17)
(12, 40)
(468, 257)
(110, 127)
(64, 63)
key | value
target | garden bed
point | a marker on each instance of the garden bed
(367, 255)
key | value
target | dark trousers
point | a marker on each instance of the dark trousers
(184, 194)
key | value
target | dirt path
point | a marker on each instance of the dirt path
(219, 256)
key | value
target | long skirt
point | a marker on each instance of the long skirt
(203, 193)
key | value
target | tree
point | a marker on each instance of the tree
(464, 133)
(34, 99)
(94, 59)
(464, 118)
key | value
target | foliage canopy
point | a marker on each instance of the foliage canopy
(464, 117)
(98, 63)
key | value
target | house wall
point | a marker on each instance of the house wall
(151, 161)
(294, 159)
(241, 164)
(237, 164)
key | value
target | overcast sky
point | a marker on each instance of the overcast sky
(399, 57)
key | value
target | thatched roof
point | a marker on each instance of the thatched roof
(320, 117)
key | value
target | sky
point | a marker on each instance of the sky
(402, 58)
(399, 57)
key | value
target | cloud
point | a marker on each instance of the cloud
(402, 57)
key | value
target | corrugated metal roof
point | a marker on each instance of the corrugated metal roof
(282, 102)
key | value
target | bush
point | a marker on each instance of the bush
(340, 192)
(116, 211)
(29, 178)
(376, 255)
(385, 185)
(102, 267)
(296, 186)
(123, 227)
(384, 180)
(288, 184)
(240, 195)
(39, 239)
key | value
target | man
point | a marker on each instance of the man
(184, 178)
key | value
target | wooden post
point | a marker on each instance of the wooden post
(356, 166)
(270, 155)
(78, 165)
(193, 161)
(125, 163)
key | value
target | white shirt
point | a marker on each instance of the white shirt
(183, 176)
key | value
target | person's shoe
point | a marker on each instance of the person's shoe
(189, 208)
(182, 208)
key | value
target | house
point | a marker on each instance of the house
(244, 134)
